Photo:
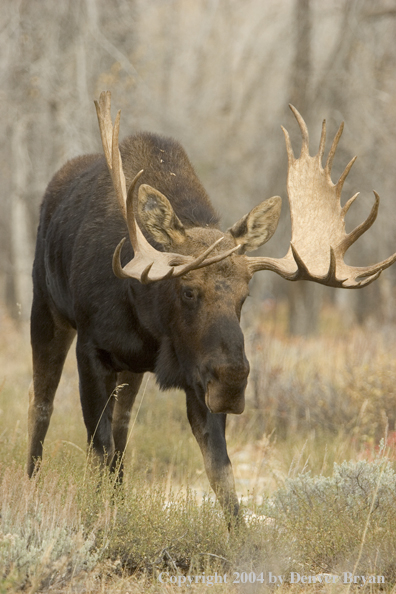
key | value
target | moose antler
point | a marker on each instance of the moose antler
(319, 240)
(148, 264)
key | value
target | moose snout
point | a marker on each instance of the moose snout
(232, 374)
(225, 387)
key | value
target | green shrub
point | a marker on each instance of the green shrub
(42, 539)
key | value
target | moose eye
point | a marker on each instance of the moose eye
(188, 294)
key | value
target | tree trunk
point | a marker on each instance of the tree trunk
(305, 299)
(19, 282)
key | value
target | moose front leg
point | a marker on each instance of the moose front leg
(97, 384)
(128, 385)
(209, 431)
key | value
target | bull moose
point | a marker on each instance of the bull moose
(168, 299)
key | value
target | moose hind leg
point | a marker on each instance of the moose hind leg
(209, 431)
(51, 340)
(128, 385)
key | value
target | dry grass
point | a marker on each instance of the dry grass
(311, 403)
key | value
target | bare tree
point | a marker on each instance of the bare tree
(304, 299)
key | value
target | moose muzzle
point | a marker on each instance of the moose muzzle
(225, 389)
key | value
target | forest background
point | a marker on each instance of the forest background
(217, 75)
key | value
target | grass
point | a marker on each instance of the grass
(317, 488)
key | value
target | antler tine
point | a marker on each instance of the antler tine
(333, 149)
(219, 257)
(202, 261)
(322, 141)
(131, 221)
(348, 204)
(103, 113)
(109, 136)
(370, 273)
(117, 266)
(343, 176)
(117, 172)
(146, 280)
(197, 261)
(289, 149)
(362, 228)
(303, 128)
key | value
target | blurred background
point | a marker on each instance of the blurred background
(217, 75)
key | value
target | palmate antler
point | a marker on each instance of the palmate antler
(319, 240)
(148, 264)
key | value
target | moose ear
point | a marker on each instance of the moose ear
(258, 226)
(159, 218)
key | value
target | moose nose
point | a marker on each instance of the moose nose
(225, 388)
(232, 375)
